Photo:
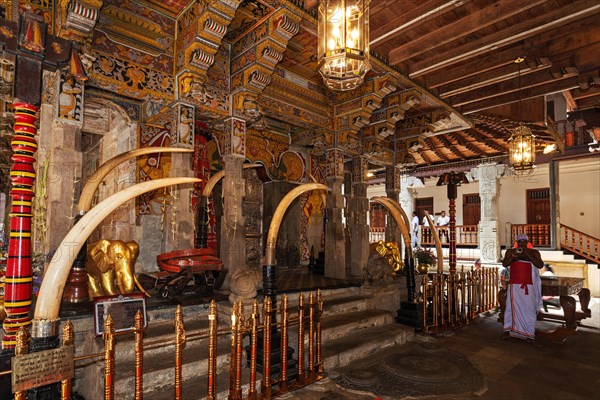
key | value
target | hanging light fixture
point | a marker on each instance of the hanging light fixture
(521, 144)
(343, 37)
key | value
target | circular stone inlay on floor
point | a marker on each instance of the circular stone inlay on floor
(422, 368)
(362, 377)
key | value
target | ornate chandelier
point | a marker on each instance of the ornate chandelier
(343, 37)
(521, 147)
(521, 144)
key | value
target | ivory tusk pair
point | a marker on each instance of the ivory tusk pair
(51, 290)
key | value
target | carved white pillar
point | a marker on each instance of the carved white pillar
(489, 236)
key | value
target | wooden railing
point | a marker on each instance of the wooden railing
(539, 234)
(453, 300)
(376, 234)
(580, 243)
(466, 235)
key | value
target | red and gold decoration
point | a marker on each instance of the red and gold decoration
(18, 286)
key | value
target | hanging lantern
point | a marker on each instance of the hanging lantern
(522, 149)
(343, 43)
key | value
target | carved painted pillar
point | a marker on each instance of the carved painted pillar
(233, 233)
(17, 291)
(392, 189)
(489, 236)
(359, 229)
(335, 247)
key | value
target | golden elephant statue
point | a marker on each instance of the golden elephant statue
(111, 268)
(389, 251)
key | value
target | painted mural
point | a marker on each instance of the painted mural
(70, 99)
(153, 166)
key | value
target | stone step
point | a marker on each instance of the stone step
(342, 351)
(336, 326)
(159, 366)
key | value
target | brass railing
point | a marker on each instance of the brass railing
(539, 234)
(452, 300)
(308, 316)
(580, 243)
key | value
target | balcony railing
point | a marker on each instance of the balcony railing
(376, 234)
(539, 234)
(466, 235)
(580, 243)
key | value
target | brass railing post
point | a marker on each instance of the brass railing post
(139, 355)
(311, 334)
(65, 384)
(283, 385)
(254, 337)
(239, 337)
(109, 358)
(319, 366)
(265, 384)
(425, 294)
(21, 349)
(179, 345)
(212, 351)
(233, 351)
(301, 339)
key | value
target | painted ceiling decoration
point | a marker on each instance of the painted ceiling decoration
(443, 86)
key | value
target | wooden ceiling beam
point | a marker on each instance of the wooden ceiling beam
(588, 102)
(577, 50)
(527, 81)
(489, 15)
(488, 78)
(504, 37)
(530, 93)
(493, 60)
(579, 94)
(415, 17)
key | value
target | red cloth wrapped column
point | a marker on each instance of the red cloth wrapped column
(17, 292)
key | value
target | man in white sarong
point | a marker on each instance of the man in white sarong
(524, 292)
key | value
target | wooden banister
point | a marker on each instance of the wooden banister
(580, 243)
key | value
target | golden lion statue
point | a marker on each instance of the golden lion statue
(389, 251)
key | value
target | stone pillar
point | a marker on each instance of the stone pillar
(335, 246)
(180, 216)
(392, 189)
(359, 206)
(489, 236)
(233, 232)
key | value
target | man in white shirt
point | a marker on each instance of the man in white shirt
(443, 220)
(414, 224)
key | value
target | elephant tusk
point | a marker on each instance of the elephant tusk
(280, 212)
(394, 209)
(51, 290)
(216, 177)
(139, 286)
(87, 193)
(438, 244)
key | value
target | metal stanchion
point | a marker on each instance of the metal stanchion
(139, 354)
(66, 384)
(301, 379)
(179, 344)
(212, 351)
(283, 385)
(254, 337)
(109, 358)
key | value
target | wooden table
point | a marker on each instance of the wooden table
(565, 287)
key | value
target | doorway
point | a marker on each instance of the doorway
(471, 209)
(538, 206)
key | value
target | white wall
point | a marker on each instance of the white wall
(579, 183)
(578, 188)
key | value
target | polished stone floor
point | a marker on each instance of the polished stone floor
(511, 368)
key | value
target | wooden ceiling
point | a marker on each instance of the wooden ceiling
(462, 51)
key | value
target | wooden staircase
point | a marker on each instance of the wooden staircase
(356, 322)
